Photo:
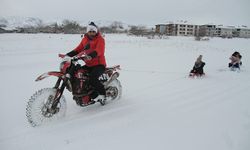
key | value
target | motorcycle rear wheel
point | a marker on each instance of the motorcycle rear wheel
(114, 90)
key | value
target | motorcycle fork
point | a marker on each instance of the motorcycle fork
(58, 94)
(60, 90)
(57, 83)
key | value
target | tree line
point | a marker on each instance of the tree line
(73, 27)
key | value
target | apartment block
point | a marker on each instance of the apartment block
(242, 32)
(177, 29)
(211, 30)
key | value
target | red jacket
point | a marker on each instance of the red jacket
(96, 44)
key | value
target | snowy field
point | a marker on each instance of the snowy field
(160, 109)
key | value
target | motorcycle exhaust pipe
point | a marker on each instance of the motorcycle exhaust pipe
(112, 78)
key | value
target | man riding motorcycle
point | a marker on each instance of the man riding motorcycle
(93, 45)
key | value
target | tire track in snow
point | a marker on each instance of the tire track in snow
(184, 97)
(188, 99)
(213, 98)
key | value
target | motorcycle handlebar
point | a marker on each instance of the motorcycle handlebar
(61, 55)
(74, 58)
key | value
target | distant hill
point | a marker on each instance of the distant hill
(11, 23)
(66, 26)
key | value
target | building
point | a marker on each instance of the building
(177, 29)
(224, 31)
(182, 28)
(207, 30)
(241, 32)
(161, 28)
(187, 30)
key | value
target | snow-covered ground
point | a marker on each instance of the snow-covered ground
(161, 108)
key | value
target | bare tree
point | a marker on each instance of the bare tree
(138, 30)
(71, 27)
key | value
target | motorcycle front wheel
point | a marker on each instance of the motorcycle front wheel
(38, 110)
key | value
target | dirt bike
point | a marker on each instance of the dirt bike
(49, 103)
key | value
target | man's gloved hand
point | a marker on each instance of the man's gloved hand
(66, 58)
(86, 57)
(61, 55)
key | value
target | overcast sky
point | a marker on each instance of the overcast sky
(147, 12)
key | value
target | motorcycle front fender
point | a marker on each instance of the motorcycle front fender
(48, 74)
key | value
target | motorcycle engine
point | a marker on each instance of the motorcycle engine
(80, 83)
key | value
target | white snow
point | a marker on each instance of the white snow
(13, 22)
(161, 108)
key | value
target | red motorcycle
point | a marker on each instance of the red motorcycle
(49, 103)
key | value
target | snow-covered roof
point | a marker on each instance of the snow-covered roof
(210, 24)
(242, 27)
(177, 22)
(225, 27)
